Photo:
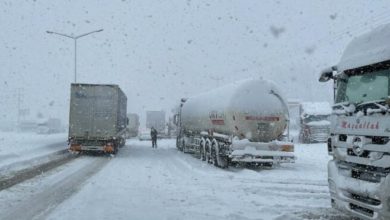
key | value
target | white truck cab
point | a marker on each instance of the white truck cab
(358, 174)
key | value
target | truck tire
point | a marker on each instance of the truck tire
(202, 150)
(213, 155)
(219, 160)
(179, 144)
(208, 151)
(183, 146)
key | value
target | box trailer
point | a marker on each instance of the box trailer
(97, 118)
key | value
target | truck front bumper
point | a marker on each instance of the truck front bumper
(105, 148)
(356, 197)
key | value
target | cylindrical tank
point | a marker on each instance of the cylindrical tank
(249, 109)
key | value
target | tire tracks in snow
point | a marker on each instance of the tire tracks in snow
(40, 204)
(58, 158)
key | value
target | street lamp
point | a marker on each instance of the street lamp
(75, 46)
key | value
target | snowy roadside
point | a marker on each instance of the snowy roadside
(18, 150)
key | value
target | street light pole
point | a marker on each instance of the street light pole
(75, 60)
(75, 46)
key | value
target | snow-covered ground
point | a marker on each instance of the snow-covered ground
(145, 183)
(20, 147)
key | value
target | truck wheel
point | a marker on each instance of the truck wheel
(184, 147)
(122, 142)
(214, 160)
(179, 144)
(306, 140)
(219, 160)
(202, 150)
(208, 151)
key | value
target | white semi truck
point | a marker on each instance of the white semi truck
(243, 122)
(314, 122)
(358, 174)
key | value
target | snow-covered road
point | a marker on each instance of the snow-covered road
(145, 183)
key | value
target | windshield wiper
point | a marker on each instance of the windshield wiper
(378, 103)
(347, 107)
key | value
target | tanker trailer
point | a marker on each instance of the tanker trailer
(243, 122)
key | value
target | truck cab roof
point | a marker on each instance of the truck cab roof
(367, 49)
(315, 108)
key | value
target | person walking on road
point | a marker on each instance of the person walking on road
(153, 134)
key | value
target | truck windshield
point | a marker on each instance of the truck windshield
(365, 87)
(311, 118)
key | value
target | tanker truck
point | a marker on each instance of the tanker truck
(358, 174)
(244, 122)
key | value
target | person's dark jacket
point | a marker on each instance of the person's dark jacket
(153, 133)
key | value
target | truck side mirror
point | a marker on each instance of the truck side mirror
(327, 74)
(127, 121)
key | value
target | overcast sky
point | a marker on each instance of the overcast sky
(160, 51)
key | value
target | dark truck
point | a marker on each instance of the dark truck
(133, 125)
(97, 118)
(156, 119)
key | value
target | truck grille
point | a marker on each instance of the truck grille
(365, 199)
(319, 133)
(361, 210)
(369, 173)
(363, 172)
(380, 140)
(351, 153)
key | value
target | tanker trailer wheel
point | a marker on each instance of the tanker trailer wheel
(202, 149)
(183, 146)
(208, 151)
(218, 159)
(178, 143)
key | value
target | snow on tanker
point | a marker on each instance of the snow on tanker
(242, 122)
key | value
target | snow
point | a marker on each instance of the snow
(17, 147)
(367, 49)
(319, 123)
(249, 95)
(316, 108)
(163, 183)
